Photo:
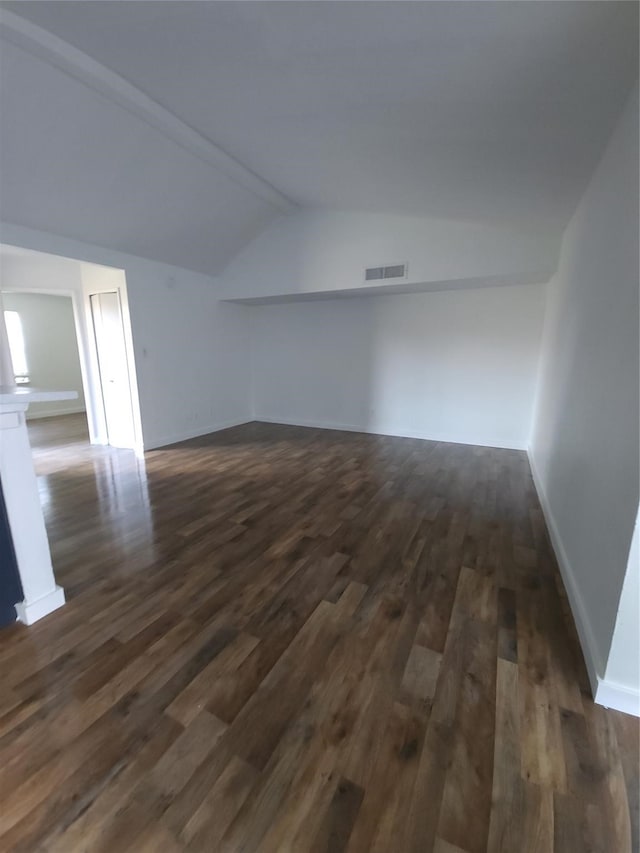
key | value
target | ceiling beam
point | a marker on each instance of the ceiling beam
(59, 53)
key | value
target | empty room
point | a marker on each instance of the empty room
(319, 426)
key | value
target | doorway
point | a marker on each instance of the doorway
(99, 327)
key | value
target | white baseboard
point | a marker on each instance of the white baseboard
(175, 438)
(53, 413)
(618, 696)
(592, 657)
(607, 693)
(30, 611)
(396, 433)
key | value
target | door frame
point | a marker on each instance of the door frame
(87, 351)
(114, 281)
(90, 382)
(91, 269)
(96, 309)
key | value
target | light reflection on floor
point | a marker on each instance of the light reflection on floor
(112, 481)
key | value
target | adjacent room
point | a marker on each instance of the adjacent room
(319, 426)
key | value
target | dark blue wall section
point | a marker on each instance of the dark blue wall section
(10, 586)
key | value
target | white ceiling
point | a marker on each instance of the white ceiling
(494, 111)
(74, 163)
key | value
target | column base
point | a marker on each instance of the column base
(30, 611)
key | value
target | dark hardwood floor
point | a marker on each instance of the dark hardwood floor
(287, 639)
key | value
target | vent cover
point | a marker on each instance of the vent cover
(390, 271)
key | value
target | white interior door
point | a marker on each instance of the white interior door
(113, 367)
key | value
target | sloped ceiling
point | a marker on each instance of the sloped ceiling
(480, 111)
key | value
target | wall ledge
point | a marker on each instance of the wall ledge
(360, 289)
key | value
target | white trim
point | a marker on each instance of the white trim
(175, 438)
(11, 419)
(618, 696)
(52, 413)
(77, 64)
(592, 657)
(397, 433)
(30, 611)
(117, 283)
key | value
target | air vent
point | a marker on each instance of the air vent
(390, 271)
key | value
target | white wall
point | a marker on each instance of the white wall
(51, 348)
(457, 366)
(585, 448)
(425, 364)
(192, 356)
(319, 250)
(623, 666)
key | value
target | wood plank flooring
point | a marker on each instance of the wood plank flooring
(286, 639)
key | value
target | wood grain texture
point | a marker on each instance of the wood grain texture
(286, 639)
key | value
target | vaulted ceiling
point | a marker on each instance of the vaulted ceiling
(178, 130)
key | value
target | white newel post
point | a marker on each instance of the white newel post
(20, 489)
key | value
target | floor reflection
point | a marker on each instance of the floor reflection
(91, 496)
(122, 491)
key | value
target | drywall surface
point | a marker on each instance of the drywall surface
(623, 666)
(585, 442)
(192, 355)
(455, 366)
(51, 348)
(310, 251)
